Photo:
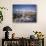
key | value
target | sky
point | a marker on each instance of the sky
(19, 7)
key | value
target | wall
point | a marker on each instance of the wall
(23, 29)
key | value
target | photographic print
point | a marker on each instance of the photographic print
(23, 13)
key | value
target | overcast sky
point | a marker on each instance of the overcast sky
(32, 8)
